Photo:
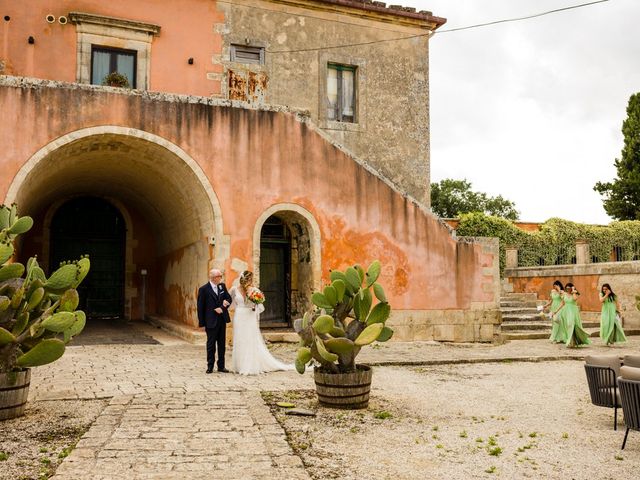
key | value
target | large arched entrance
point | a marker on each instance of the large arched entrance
(173, 218)
(287, 260)
(93, 226)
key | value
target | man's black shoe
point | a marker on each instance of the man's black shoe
(209, 370)
(223, 370)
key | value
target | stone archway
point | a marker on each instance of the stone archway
(301, 263)
(175, 214)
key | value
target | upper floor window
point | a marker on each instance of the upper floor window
(341, 93)
(106, 60)
(247, 54)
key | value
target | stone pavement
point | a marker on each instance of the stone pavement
(167, 419)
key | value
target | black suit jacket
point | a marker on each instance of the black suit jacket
(208, 301)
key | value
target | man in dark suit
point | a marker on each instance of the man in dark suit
(213, 303)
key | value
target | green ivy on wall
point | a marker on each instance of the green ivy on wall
(554, 243)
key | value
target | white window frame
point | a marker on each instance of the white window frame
(103, 31)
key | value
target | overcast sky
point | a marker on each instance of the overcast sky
(533, 110)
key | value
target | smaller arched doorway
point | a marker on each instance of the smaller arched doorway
(92, 226)
(288, 262)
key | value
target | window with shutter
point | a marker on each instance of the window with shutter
(341, 93)
(247, 54)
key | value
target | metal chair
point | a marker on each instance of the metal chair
(630, 396)
(603, 388)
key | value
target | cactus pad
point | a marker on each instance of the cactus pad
(339, 345)
(385, 334)
(12, 270)
(59, 322)
(369, 334)
(323, 324)
(62, 278)
(378, 291)
(69, 300)
(373, 273)
(320, 301)
(379, 314)
(46, 351)
(6, 337)
(6, 251)
(21, 225)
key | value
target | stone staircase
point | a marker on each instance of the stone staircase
(521, 319)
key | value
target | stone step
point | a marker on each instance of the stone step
(519, 311)
(515, 304)
(522, 318)
(519, 296)
(526, 326)
(530, 335)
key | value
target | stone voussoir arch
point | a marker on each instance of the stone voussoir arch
(213, 231)
(314, 233)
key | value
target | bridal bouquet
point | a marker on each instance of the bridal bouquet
(256, 296)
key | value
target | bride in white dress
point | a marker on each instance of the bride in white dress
(250, 354)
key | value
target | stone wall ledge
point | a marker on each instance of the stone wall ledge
(604, 268)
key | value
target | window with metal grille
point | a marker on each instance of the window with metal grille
(341, 93)
(108, 60)
(247, 54)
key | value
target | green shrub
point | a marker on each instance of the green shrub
(554, 243)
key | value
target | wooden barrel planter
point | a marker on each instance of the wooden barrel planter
(14, 390)
(344, 390)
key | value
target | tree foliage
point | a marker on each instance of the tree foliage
(451, 198)
(622, 195)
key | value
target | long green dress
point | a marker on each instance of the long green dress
(558, 330)
(610, 328)
(576, 335)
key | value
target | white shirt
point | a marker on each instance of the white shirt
(216, 288)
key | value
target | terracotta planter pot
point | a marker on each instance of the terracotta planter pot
(14, 390)
(344, 390)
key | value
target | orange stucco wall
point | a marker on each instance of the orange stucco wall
(187, 31)
(587, 285)
(254, 159)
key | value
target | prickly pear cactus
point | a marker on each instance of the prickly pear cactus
(344, 320)
(38, 315)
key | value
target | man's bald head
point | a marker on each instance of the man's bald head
(215, 275)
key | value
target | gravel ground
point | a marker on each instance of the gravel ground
(504, 420)
(32, 446)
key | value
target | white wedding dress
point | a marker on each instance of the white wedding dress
(250, 355)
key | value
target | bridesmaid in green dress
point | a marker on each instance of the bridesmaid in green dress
(558, 330)
(610, 329)
(576, 335)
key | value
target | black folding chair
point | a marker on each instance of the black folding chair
(603, 388)
(630, 396)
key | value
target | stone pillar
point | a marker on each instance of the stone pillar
(582, 252)
(511, 260)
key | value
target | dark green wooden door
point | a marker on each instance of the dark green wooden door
(89, 225)
(273, 281)
(275, 273)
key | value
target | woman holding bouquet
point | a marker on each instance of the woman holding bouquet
(555, 304)
(576, 335)
(250, 354)
(610, 329)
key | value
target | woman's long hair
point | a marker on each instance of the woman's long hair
(245, 278)
(612, 296)
(569, 286)
(559, 283)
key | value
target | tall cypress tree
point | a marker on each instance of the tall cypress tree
(622, 195)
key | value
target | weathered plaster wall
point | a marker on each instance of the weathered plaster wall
(588, 279)
(392, 128)
(186, 32)
(254, 159)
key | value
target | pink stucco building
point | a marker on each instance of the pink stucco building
(244, 143)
